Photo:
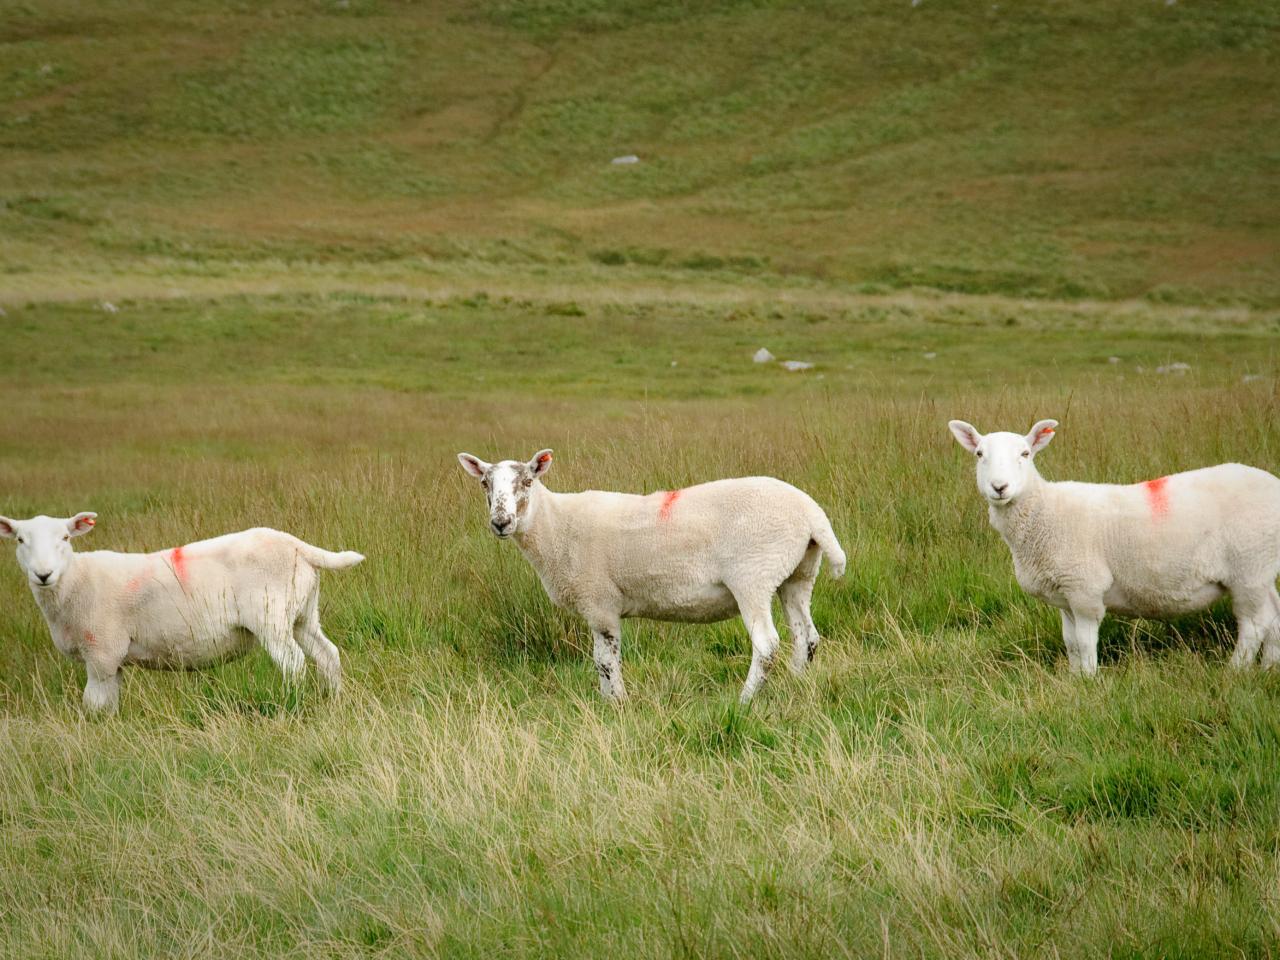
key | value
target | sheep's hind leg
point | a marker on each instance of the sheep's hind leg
(795, 593)
(607, 649)
(322, 651)
(1254, 612)
(278, 641)
(757, 615)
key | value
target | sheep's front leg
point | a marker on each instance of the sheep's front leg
(608, 656)
(102, 689)
(1069, 640)
(1087, 617)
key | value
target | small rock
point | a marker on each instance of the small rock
(1113, 359)
(1247, 378)
(109, 307)
(763, 356)
(46, 69)
(796, 365)
(930, 355)
(1140, 369)
(675, 362)
(1179, 368)
(623, 161)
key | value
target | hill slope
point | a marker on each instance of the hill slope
(1095, 149)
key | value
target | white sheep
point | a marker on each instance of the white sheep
(697, 555)
(1157, 549)
(185, 607)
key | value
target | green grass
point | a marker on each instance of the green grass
(938, 784)
(1099, 149)
(277, 263)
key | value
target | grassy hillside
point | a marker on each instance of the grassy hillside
(1092, 149)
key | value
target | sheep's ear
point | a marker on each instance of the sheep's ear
(474, 465)
(966, 435)
(81, 523)
(8, 528)
(540, 463)
(1041, 434)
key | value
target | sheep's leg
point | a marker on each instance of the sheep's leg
(1087, 617)
(1271, 638)
(795, 594)
(322, 652)
(279, 643)
(102, 690)
(607, 650)
(757, 615)
(310, 637)
(1253, 612)
(1069, 640)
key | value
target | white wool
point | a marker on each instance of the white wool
(697, 555)
(1162, 548)
(185, 607)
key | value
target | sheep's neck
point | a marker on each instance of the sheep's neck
(58, 605)
(1020, 523)
(536, 533)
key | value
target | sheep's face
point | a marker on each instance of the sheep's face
(1004, 460)
(509, 486)
(44, 545)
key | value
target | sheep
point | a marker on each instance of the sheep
(698, 555)
(1157, 549)
(184, 607)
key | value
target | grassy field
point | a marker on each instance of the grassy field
(277, 263)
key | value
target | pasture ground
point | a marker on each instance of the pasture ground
(343, 241)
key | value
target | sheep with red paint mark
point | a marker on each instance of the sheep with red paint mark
(186, 607)
(1157, 549)
(698, 555)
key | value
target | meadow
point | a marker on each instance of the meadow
(277, 264)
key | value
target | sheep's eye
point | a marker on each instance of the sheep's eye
(20, 540)
(978, 454)
(1026, 453)
(67, 537)
(527, 481)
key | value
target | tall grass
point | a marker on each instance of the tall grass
(938, 785)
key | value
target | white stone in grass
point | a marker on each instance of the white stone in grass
(1113, 359)
(1179, 368)
(109, 307)
(796, 365)
(930, 355)
(763, 356)
(623, 161)
(1247, 378)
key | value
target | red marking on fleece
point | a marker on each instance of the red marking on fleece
(1043, 432)
(89, 638)
(545, 458)
(179, 561)
(668, 501)
(88, 521)
(1157, 496)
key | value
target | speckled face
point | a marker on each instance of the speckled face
(508, 486)
(44, 545)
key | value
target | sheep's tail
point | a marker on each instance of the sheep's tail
(327, 559)
(822, 534)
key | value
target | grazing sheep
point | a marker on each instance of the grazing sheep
(1157, 549)
(184, 607)
(696, 555)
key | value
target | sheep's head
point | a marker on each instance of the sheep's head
(508, 486)
(44, 545)
(1004, 459)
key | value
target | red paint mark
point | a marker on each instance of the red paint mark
(544, 458)
(1157, 496)
(88, 521)
(179, 561)
(1043, 432)
(668, 501)
(89, 638)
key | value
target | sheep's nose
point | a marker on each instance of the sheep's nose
(502, 527)
(44, 577)
(1000, 488)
